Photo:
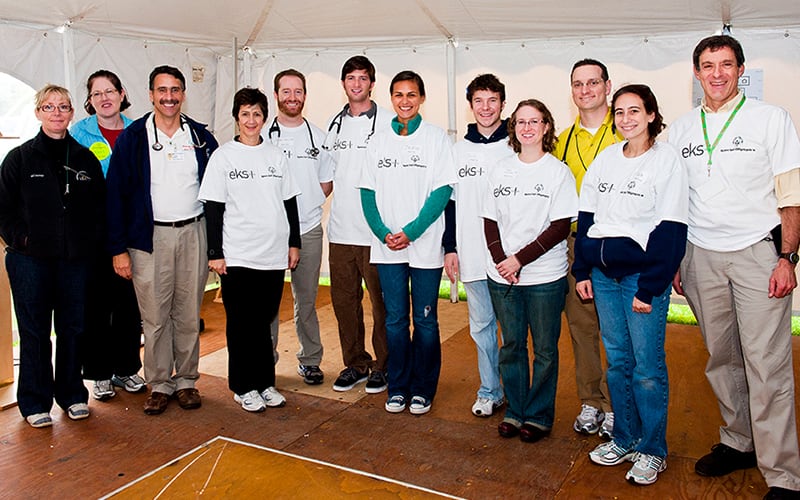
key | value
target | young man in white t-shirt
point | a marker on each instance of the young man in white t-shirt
(485, 143)
(349, 236)
(743, 160)
(312, 170)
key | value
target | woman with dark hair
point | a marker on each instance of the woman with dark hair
(52, 210)
(530, 203)
(631, 238)
(405, 187)
(112, 340)
(253, 237)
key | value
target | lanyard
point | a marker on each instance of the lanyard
(709, 147)
(597, 150)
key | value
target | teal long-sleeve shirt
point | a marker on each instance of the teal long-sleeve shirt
(431, 210)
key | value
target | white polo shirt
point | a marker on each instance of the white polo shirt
(174, 182)
(524, 198)
(308, 171)
(403, 171)
(348, 147)
(733, 205)
(474, 163)
(631, 196)
(252, 182)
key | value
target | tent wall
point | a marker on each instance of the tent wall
(37, 56)
(533, 68)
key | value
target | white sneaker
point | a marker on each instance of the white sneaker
(133, 383)
(611, 453)
(484, 407)
(589, 420)
(102, 390)
(607, 429)
(251, 401)
(78, 411)
(39, 420)
(272, 397)
(646, 468)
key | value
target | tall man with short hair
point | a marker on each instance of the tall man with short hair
(312, 169)
(157, 235)
(578, 146)
(349, 131)
(743, 160)
(484, 144)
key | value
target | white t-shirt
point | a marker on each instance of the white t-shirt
(173, 175)
(474, 162)
(734, 206)
(524, 198)
(308, 171)
(631, 196)
(403, 171)
(348, 147)
(252, 182)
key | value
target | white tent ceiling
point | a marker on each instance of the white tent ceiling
(274, 24)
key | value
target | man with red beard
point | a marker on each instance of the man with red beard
(312, 169)
(157, 235)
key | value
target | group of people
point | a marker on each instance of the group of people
(600, 222)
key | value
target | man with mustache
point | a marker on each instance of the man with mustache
(157, 235)
(312, 169)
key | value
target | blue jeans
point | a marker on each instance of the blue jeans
(46, 289)
(637, 368)
(518, 308)
(414, 361)
(483, 330)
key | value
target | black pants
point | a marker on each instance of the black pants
(112, 339)
(252, 299)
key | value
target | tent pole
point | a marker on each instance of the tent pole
(235, 76)
(68, 45)
(451, 119)
(451, 89)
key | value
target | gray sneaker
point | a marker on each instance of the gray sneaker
(607, 429)
(611, 453)
(589, 420)
(102, 390)
(646, 468)
(132, 383)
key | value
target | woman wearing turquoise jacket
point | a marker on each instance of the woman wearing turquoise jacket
(112, 338)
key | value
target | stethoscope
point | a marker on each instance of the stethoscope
(313, 150)
(330, 139)
(157, 146)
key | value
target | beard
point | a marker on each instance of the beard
(290, 112)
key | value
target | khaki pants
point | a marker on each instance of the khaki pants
(748, 336)
(349, 264)
(169, 287)
(305, 284)
(584, 329)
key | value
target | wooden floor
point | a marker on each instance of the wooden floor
(447, 450)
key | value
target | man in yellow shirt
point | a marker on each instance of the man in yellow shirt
(578, 146)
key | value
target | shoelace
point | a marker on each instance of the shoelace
(609, 420)
(588, 412)
(653, 462)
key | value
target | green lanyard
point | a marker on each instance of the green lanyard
(709, 147)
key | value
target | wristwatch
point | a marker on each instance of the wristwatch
(790, 256)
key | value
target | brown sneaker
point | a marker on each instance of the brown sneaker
(156, 403)
(188, 399)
